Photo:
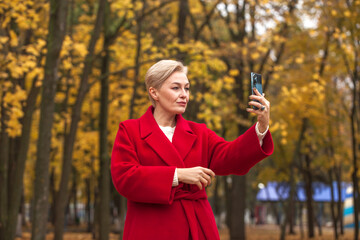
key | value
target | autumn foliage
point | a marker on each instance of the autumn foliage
(308, 53)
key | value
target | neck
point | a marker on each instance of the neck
(163, 118)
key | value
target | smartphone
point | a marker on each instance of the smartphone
(256, 83)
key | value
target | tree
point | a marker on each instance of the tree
(251, 61)
(21, 50)
(63, 193)
(57, 27)
(104, 179)
(3, 168)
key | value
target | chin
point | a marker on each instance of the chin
(180, 110)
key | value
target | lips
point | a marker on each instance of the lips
(182, 103)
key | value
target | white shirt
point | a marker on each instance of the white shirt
(169, 133)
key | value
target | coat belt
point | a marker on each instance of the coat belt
(198, 218)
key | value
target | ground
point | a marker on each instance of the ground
(257, 232)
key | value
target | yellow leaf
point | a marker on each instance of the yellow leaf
(67, 63)
(4, 75)
(14, 128)
(30, 49)
(20, 94)
(4, 40)
(255, 55)
(29, 65)
(33, 73)
(228, 80)
(275, 127)
(80, 49)
(6, 21)
(244, 51)
(16, 71)
(234, 72)
(60, 96)
(299, 60)
(38, 83)
(13, 39)
(16, 112)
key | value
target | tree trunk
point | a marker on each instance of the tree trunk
(292, 215)
(57, 26)
(53, 195)
(355, 179)
(95, 229)
(238, 189)
(291, 199)
(228, 204)
(4, 163)
(318, 217)
(183, 12)
(332, 205)
(20, 219)
(88, 204)
(75, 200)
(104, 178)
(355, 185)
(17, 176)
(137, 61)
(339, 202)
(309, 196)
(355, 125)
(115, 212)
(122, 213)
(295, 159)
(301, 222)
(69, 140)
(238, 204)
(274, 209)
(217, 210)
(16, 163)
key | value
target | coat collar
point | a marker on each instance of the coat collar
(172, 153)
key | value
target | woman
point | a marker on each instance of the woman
(162, 163)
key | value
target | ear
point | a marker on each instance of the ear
(153, 93)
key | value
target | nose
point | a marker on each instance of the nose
(183, 93)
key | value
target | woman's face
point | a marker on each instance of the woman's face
(173, 95)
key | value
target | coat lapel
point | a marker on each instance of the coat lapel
(156, 139)
(172, 153)
(184, 138)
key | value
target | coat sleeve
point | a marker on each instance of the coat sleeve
(239, 156)
(149, 184)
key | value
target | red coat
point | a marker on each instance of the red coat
(143, 163)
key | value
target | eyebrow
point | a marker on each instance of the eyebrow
(180, 83)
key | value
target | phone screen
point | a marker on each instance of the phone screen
(256, 83)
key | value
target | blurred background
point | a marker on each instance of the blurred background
(72, 70)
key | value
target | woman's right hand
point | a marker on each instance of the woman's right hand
(196, 175)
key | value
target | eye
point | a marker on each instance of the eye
(187, 89)
(175, 88)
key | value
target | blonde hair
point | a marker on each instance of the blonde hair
(159, 72)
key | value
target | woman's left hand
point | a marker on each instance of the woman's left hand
(263, 112)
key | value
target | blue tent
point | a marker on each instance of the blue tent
(275, 191)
